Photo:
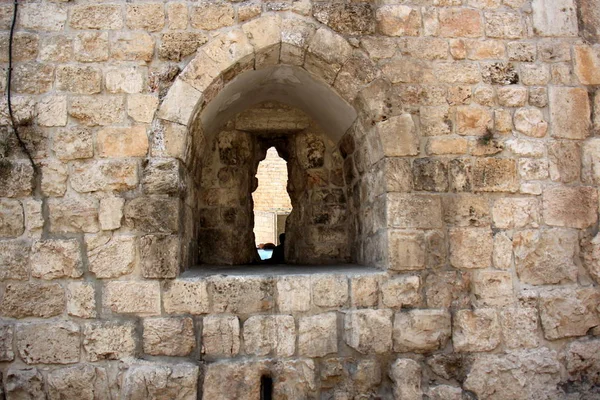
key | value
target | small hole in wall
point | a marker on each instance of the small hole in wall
(266, 387)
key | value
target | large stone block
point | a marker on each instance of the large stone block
(448, 289)
(132, 297)
(460, 22)
(168, 336)
(590, 160)
(109, 340)
(16, 178)
(153, 214)
(48, 343)
(141, 107)
(159, 256)
(132, 46)
(185, 297)
(176, 46)
(104, 175)
(122, 142)
(110, 213)
(317, 335)
(568, 312)
(364, 290)
(220, 336)
(556, 18)
(466, 210)
(569, 113)
(329, 290)
(96, 16)
(97, 110)
(49, 17)
(430, 174)
(406, 375)
(162, 176)
(242, 295)
(56, 258)
(113, 259)
(398, 20)
(91, 46)
(11, 218)
(79, 79)
(398, 136)
(24, 383)
(477, 330)
(369, 331)
(421, 331)
(74, 214)
(470, 247)
(403, 291)
(493, 288)
(6, 342)
(590, 256)
(160, 381)
(212, 16)
(520, 327)
(270, 335)
(148, 17)
(40, 300)
(84, 382)
(495, 175)
(572, 207)
(406, 250)
(414, 211)
(293, 293)
(509, 213)
(73, 143)
(125, 80)
(52, 111)
(583, 361)
(81, 300)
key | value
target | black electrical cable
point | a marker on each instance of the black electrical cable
(8, 85)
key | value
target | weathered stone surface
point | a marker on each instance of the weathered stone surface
(91, 46)
(148, 16)
(132, 297)
(56, 258)
(113, 259)
(572, 207)
(110, 213)
(293, 293)
(414, 211)
(568, 312)
(406, 375)
(220, 336)
(109, 340)
(430, 174)
(73, 143)
(504, 25)
(157, 381)
(349, 19)
(369, 331)
(6, 342)
(473, 120)
(530, 122)
(23, 300)
(447, 289)
(556, 19)
(516, 213)
(456, 22)
(212, 16)
(122, 142)
(141, 107)
(445, 392)
(583, 363)
(590, 160)
(470, 247)
(54, 178)
(11, 218)
(590, 256)
(52, 111)
(493, 288)
(329, 290)
(132, 46)
(364, 290)
(168, 336)
(24, 383)
(159, 256)
(81, 300)
(153, 215)
(177, 45)
(398, 20)
(162, 176)
(48, 343)
(401, 292)
(241, 295)
(106, 175)
(569, 113)
(125, 80)
(79, 79)
(57, 48)
(406, 250)
(185, 297)
(317, 335)
(398, 136)
(96, 16)
(519, 327)
(48, 17)
(495, 175)
(177, 15)
(97, 110)
(477, 330)
(14, 259)
(519, 375)
(466, 210)
(84, 381)
(421, 331)
(16, 179)
(32, 78)
(270, 334)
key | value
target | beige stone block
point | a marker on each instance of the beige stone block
(568, 312)
(97, 110)
(495, 175)
(456, 73)
(369, 331)
(538, 97)
(406, 375)
(111, 213)
(56, 258)
(533, 169)
(179, 103)
(54, 178)
(470, 248)
(148, 17)
(466, 210)
(435, 120)
(34, 346)
(510, 96)
(590, 159)
(590, 256)
(91, 46)
(14, 258)
(125, 80)
(73, 143)
(17, 180)
(83, 381)
(249, 10)
(447, 146)
(27, 382)
(317, 335)
(546, 257)
(421, 331)
(25, 46)
(6, 342)
(81, 300)
(32, 78)
(460, 22)
(477, 330)
(79, 79)
(330, 47)
(48, 17)
(445, 392)
(177, 15)
(516, 212)
(132, 297)
(406, 250)
(74, 214)
(504, 25)
(109, 340)
(12, 220)
(329, 290)
(113, 259)
(404, 291)
(519, 327)
(242, 295)
(58, 48)
(293, 293)
(502, 254)
(185, 297)
(52, 111)
(398, 136)
(141, 107)
(122, 142)
(364, 290)
(221, 336)
(572, 207)
(212, 16)
(558, 18)
(398, 20)
(526, 148)
(530, 121)
(168, 336)
(175, 46)
(569, 113)
(263, 32)
(475, 49)
(34, 220)
(132, 46)
(534, 74)
(162, 381)
(414, 211)
(270, 335)
(41, 300)
(109, 175)
(153, 214)
(493, 289)
(96, 16)
(473, 120)
(159, 256)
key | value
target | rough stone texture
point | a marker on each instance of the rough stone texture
(84, 381)
(220, 336)
(495, 175)
(241, 295)
(572, 207)
(293, 294)
(168, 336)
(55, 258)
(398, 20)
(270, 334)
(317, 335)
(582, 361)
(510, 213)
(421, 331)
(590, 256)
(81, 300)
(73, 214)
(398, 136)
(110, 213)
(48, 343)
(185, 297)
(329, 290)
(93, 111)
(406, 375)
(477, 330)
(108, 340)
(569, 113)
(568, 312)
(414, 211)
(127, 297)
(447, 289)
(11, 218)
(6, 342)
(16, 179)
(73, 143)
(401, 292)
(122, 142)
(24, 383)
(152, 215)
(114, 259)
(158, 381)
(470, 247)
(369, 331)
(590, 160)
(92, 176)
(519, 327)
(21, 300)
(493, 288)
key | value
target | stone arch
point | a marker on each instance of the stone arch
(352, 97)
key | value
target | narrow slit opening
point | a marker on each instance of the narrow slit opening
(266, 388)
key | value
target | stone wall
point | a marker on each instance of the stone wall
(461, 136)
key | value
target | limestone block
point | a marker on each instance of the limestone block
(466, 210)
(91, 46)
(519, 327)
(317, 335)
(270, 334)
(538, 97)
(233, 379)
(369, 331)
(16, 179)
(177, 14)
(159, 256)
(25, 46)
(589, 20)
(558, 18)
(168, 336)
(48, 343)
(477, 330)
(504, 25)
(293, 293)
(348, 19)
(525, 148)
(473, 120)
(6, 342)
(73, 143)
(109, 340)
(310, 150)
(364, 290)
(43, 300)
(534, 74)
(398, 20)
(447, 289)
(569, 113)
(446, 146)
(460, 22)
(24, 383)
(212, 16)
(502, 255)
(226, 49)
(52, 111)
(141, 107)
(125, 80)
(493, 288)
(330, 47)
(12, 220)
(122, 142)
(406, 250)
(132, 46)
(460, 175)
(530, 122)
(79, 79)
(518, 375)
(590, 256)
(47, 17)
(495, 175)
(132, 297)
(220, 336)
(398, 136)
(84, 381)
(175, 46)
(247, 11)
(402, 292)
(583, 361)
(397, 174)
(568, 312)
(162, 176)
(57, 48)
(242, 295)
(329, 290)
(97, 110)
(572, 207)
(533, 169)
(114, 259)
(445, 392)
(435, 120)
(430, 174)
(14, 259)
(263, 32)
(110, 175)
(590, 160)
(516, 212)
(161, 381)
(96, 16)
(111, 213)
(81, 299)
(54, 178)
(185, 297)
(406, 375)
(34, 221)
(148, 17)
(421, 331)
(56, 258)
(152, 214)
(470, 247)
(414, 211)
(179, 103)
